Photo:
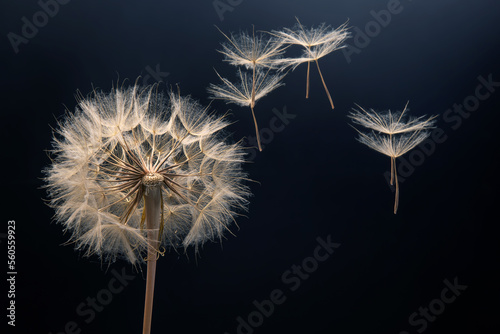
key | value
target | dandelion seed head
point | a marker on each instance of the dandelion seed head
(117, 146)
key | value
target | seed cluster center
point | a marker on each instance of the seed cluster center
(152, 179)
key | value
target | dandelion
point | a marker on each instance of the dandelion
(392, 134)
(317, 43)
(391, 124)
(257, 53)
(248, 91)
(135, 171)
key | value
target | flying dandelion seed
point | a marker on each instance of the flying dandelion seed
(256, 53)
(392, 134)
(134, 171)
(248, 91)
(317, 43)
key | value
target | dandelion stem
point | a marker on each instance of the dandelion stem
(252, 97)
(392, 171)
(307, 83)
(252, 104)
(324, 84)
(256, 130)
(392, 161)
(152, 203)
(396, 199)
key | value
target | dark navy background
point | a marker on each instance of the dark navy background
(315, 180)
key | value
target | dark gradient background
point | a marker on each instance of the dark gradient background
(314, 179)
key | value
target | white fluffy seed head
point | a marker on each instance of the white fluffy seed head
(115, 146)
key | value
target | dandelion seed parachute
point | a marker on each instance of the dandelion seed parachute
(241, 93)
(252, 51)
(116, 146)
(260, 53)
(316, 42)
(248, 91)
(392, 134)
